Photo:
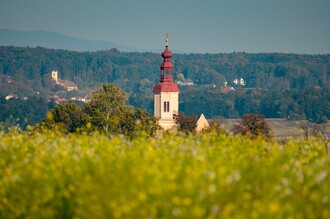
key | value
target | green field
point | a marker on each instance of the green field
(214, 175)
(280, 128)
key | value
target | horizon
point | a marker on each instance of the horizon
(142, 50)
(289, 27)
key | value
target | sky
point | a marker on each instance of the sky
(199, 26)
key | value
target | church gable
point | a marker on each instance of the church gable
(201, 124)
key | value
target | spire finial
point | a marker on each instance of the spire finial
(166, 39)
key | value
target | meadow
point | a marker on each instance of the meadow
(214, 175)
(280, 129)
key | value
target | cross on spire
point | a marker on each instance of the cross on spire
(166, 39)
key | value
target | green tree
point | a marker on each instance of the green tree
(107, 112)
(107, 109)
(141, 122)
(68, 117)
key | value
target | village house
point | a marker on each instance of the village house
(59, 100)
(11, 95)
(185, 82)
(227, 89)
(68, 85)
(81, 99)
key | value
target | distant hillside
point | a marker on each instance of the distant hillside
(277, 85)
(55, 40)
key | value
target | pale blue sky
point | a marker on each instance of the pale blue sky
(298, 26)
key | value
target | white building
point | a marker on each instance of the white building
(68, 85)
(55, 76)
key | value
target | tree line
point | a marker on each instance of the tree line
(16, 111)
(294, 104)
(277, 85)
(138, 71)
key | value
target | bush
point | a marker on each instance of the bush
(252, 124)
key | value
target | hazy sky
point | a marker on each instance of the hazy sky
(299, 26)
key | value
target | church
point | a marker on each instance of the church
(166, 97)
(166, 93)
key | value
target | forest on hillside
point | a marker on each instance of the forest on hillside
(277, 85)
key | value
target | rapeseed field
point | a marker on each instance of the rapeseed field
(50, 175)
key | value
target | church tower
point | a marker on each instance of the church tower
(166, 93)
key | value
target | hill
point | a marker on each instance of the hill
(275, 84)
(55, 40)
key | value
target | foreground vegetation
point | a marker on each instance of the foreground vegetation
(45, 174)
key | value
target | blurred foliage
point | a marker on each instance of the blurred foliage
(45, 174)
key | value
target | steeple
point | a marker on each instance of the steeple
(166, 68)
(166, 92)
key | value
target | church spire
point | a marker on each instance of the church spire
(166, 70)
(166, 93)
(166, 39)
(166, 67)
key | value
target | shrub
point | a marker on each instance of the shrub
(252, 124)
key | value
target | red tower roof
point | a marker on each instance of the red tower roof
(166, 87)
(166, 54)
(166, 83)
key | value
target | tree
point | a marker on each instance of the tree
(253, 124)
(186, 123)
(107, 113)
(108, 110)
(312, 129)
(141, 122)
(16, 111)
(68, 117)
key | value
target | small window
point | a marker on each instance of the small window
(166, 106)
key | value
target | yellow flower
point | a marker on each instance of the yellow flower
(273, 207)
(142, 196)
(187, 201)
